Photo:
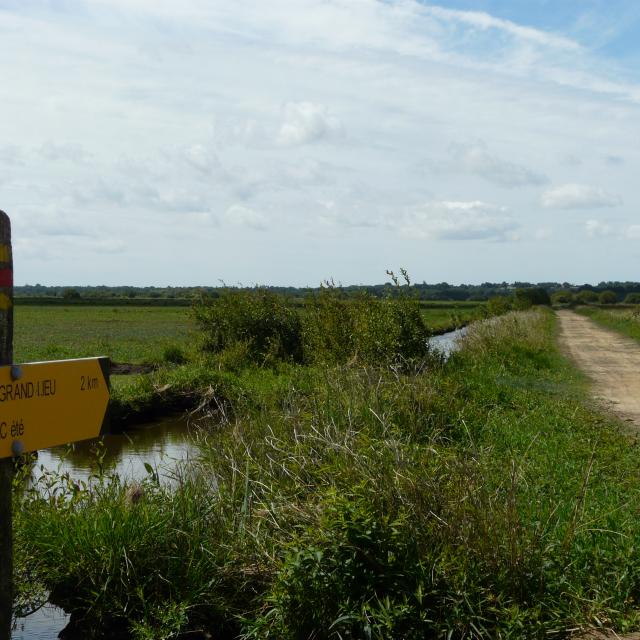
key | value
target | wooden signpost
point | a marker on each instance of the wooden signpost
(42, 404)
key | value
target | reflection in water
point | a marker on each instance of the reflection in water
(44, 624)
(159, 444)
(447, 343)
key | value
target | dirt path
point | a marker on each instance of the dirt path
(610, 360)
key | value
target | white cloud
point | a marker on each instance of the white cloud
(350, 216)
(475, 159)
(579, 196)
(633, 232)
(11, 155)
(202, 159)
(458, 221)
(484, 21)
(544, 233)
(305, 122)
(245, 217)
(596, 228)
(63, 151)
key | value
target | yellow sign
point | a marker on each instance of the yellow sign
(44, 404)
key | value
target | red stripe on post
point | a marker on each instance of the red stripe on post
(6, 277)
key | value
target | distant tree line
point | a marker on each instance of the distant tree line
(560, 292)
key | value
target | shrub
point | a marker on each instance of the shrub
(526, 298)
(71, 294)
(607, 297)
(260, 327)
(586, 296)
(371, 330)
(357, 574)
(498, 305)
(266, 323)
(562, 297)
(632, 298)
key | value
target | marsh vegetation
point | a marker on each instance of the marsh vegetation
(354, 486)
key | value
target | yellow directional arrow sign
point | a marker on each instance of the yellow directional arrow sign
(44, 404)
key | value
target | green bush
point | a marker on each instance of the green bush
(562, 297)
(357, 574)
(266, 323)
(586, 296)
(174, 354)
(632, 298)
(498, 305)
(607, 297)
(260, 327)
(527, 298)
(338, 329)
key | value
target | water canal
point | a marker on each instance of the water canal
(447, 343)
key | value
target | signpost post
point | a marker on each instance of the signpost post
(6, 465)
(42, 404)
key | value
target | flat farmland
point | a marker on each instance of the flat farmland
(144, 334)
(126, 334)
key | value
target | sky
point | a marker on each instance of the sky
(154, 142)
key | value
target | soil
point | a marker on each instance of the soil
(127, 369)
(609, 359)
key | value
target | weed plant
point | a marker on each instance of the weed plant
(481, 498)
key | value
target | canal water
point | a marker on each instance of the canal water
(161, 445)
(447, 343)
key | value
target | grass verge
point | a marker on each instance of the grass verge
(625, 321)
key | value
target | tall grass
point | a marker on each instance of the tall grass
(482, 498)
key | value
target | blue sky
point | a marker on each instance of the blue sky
(154, 142)
(608, 25)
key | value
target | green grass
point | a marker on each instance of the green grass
(482, 498)
(626, 321)
(126, 334)
(441, 319)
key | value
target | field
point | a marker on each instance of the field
(144, 334)
(484, 497)
(126, 334)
